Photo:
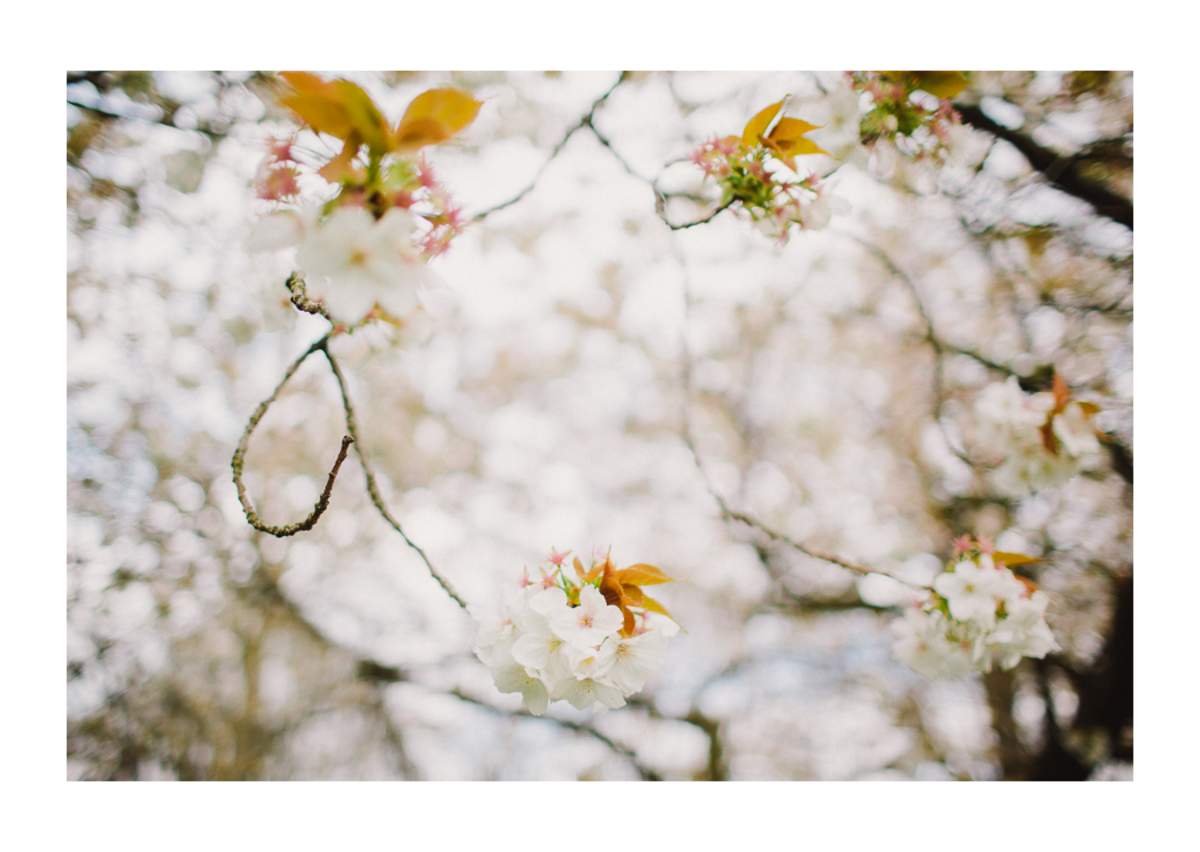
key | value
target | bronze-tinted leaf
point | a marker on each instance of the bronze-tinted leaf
(1011, 559)
(365, 117)
(434, 117)
(791, 129)
(643, 575)
(940, 84)
(318, 103)
(342, 166)
(651, 605)
(758, 125)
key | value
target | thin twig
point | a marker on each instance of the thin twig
(585, 121)
(939, 347)
(660, 207)
(373, 488)
(239, 458)
(728, 513)
(660, 203)
(646, 773)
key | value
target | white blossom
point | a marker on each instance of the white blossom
(923, 645)
(1034, 442)
(635, 658)
(981, 617)
(352, 263)
(582, 694)
(515, 678)
(1023, 632)
(589, 623)
(538, 644)
(276, 231)
(973, 591)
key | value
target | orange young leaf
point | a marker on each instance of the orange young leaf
(651, 605)
(756, 126)
(633, 595)
(791, 129)
(318, 103)
(786, 140)
(643, 575)
(364, 116)
(1049, 441)
(434, 117)
(629, 626)
(1062, 394)
(940, 84)
(1011, 559)
(341, 166)
(1030, 586)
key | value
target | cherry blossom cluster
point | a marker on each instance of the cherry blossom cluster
(979, 616)
(363, 251)
(910, 110)
(1035, 440)
(750, 171)
(590, 640)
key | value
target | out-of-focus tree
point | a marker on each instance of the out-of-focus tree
(803, 357)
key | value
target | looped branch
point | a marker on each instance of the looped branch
(239, 458)
(295, 284)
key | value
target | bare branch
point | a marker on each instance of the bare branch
(239, 459)
(646, 773)
(373, 488)
(728, 513)
(586, 121)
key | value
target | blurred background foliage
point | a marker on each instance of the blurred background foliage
(590, 377)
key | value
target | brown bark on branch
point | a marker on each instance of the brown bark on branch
(239, 459)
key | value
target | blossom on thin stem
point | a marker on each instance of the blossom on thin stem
(749, 171)
(1034, 441)
(364, 250)
(910, 111)
(980, 616)
(591, 640)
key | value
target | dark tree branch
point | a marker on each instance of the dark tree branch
(1063, 172)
